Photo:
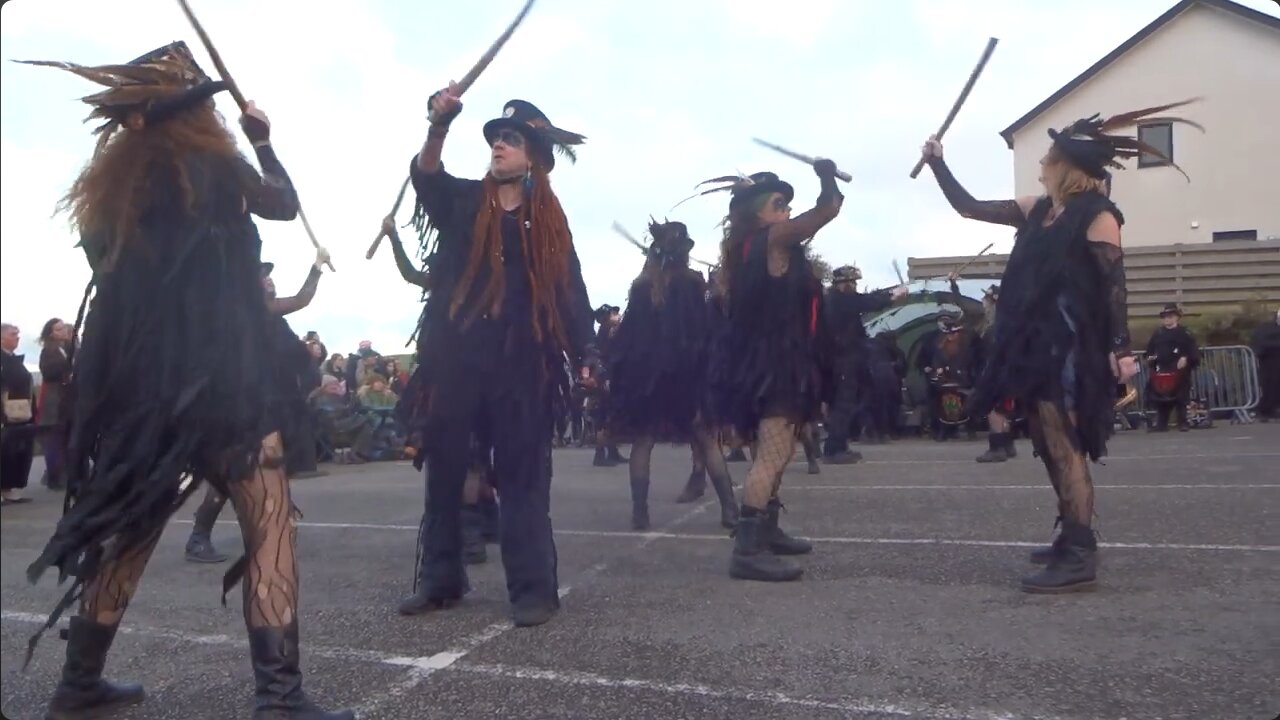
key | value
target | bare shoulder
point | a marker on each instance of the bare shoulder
(1026, 202)
(1105, 228)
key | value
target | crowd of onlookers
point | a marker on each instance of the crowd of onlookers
(352, 403)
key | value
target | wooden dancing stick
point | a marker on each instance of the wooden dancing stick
(971, 260)
(964, 95)
(394, 209)
(799, 156)
(239, 98)
(470, 78)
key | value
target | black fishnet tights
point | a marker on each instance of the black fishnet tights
(267, 523)
(774, 447)
(1051, 435)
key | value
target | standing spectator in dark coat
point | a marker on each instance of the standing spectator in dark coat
(55, 374)
(17, 441)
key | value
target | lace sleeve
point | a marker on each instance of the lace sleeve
(1110, 260)
(999, 212)
(808, 223)
(410, 274)
(273, 196)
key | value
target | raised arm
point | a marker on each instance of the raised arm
(445, 106)
(411, 275)
(808, 223)
(271, 195)
(999, 212)
(285, 306)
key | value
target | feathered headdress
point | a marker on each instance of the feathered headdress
(669, 240)
(743, 189)
(154, 87)
(1090, 144)
(547, 139)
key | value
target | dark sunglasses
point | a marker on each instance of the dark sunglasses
(510, 138)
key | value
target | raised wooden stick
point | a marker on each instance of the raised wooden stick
(964, 95)
(394, 209)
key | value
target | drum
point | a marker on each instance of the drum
(951, 404)
(1165, 384)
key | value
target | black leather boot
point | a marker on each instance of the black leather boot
(777, 541)
(200, 549)
(996, 449)
(602, 459)
(751, 559)
(616, 455)
(728, 503)
(82, 693)
(639, 503)
(473, 550)
(1042, 555)
(1074, 568)
(695, 488)
(276, 672)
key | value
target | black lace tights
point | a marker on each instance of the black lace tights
(269, 527)
(1051, 435)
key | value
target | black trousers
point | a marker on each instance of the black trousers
(521, 446)
(17, 451)
(1269, 379)
(844, 408)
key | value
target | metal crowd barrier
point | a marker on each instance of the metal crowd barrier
(1226, 381)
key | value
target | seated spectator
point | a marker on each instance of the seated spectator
(399, 378)
(361, 364)
(375, 394)
(336, 366)
(340, 421)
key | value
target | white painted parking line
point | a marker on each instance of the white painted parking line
(1042, 486)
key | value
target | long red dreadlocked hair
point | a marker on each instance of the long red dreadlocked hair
(547, 243)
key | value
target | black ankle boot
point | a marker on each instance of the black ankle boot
(276, 672)
(751, 559)
(1042, 555)
(728, 503)
(997, 449)
(616, 455)
(694, 489)
(639, 503)
(473, 550)
(777, 541)
(602, 459)
(843, 457)
(200, 549)
(82, 693)
(1074, 568)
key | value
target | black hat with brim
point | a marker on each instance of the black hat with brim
(670, 238)
(545, 139)
(762, 184)
(845, 273)
(1171, 309)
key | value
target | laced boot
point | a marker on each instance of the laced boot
(695, 488)
(997, 448)
(473, 550)
(82, 693)
(602, 459)
(639, 503)
(776, 540)
(279, 696)
(200, 549)
(751, 560)
(1042, 555)
(1075, 566)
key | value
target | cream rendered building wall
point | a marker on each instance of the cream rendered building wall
(1234, 167)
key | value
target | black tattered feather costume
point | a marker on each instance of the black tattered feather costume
(170, 378)
(1051, 275)
(658, 360)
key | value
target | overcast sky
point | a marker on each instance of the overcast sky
(668, 93)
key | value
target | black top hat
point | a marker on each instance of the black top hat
(604, 311)
(846, 273)
(1171, 309)
(546, 139)
(758, 185)
(267, 267)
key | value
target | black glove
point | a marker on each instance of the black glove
(825, 169)
(444, 120)
(254, 129)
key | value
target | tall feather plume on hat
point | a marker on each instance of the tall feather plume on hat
(156, 87)
(1092, 144)
(724, 183)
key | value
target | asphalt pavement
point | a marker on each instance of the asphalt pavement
(909, 607)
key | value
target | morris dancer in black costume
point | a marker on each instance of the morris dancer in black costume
(169, 379)
(766, 372)
(1063, 338)
(609, 317)
(1000, 442)
(658, 389)
(1173, 355)
(507, 306)
(289, 357)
